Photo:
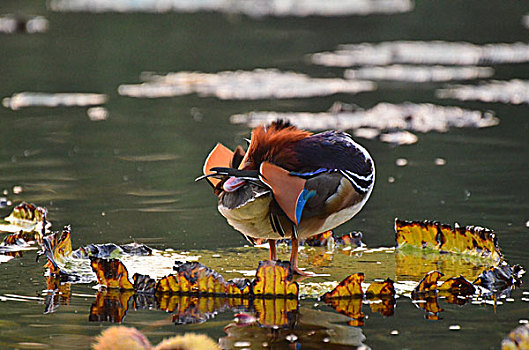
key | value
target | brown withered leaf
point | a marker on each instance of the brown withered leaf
(428, 282)
(111, 273)
(22, 237)
(500, 278)
(110, 306)
(274, 278)
(458, 285)
(25, 217)
(469, 240)
(57, 247)
(385, 288)
(320, 240)
(350, 287)
(193, 278)
(239, 287)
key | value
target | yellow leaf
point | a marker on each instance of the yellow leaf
(111, 273)
(349, 287)
(274, 278)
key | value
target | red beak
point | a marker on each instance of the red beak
(232, 184)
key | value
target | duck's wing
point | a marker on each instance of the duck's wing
(335, 151)
(335, 173)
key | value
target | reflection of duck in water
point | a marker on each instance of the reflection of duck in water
(125, 338)
(308, 329)
(290, 183)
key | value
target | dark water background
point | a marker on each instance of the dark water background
(130, 178)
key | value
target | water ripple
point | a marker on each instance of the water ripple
(422, 52)
(242, 85)
(277, 8)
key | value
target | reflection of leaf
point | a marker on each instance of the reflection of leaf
(312, 329)
(383, 305)
(57, 293)
(351, 307)
(412, 263)
(430, 306)
(276, 312)
(469, 240)
(110, 306)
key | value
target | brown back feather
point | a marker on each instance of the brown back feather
(274, 144)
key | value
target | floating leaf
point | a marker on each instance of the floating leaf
(428, 283)
(111, 251)
(500, 278)
(469, 240)
(274, 278)
(518, 339)
(25, 217)
(349, 287)
(57, 247)
(144, 284)
(111, 274)
(239, 287)
(193, 278)
(458, 285)
(385, 288)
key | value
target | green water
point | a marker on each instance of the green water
(130, 178)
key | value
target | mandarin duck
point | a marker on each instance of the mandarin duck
(290, 183)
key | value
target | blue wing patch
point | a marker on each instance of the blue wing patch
(303, 197)
(312, 173)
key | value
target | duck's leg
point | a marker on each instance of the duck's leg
(294, 259)
(273, 251)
